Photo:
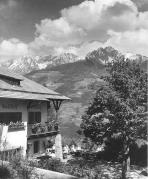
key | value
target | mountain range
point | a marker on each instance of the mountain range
(27, 64)
(74, 77)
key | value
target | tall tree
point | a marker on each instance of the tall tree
(119, 108)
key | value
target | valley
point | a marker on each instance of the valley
(73, 77)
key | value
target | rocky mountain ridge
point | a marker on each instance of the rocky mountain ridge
(102, 56)
(27, 64)
(108, 54)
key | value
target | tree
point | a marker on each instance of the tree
(119, 108)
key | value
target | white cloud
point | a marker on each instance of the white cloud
(143, 20)
(12, 48)
(82, 27)
(85, 27)
(130, 41)
(80, 50)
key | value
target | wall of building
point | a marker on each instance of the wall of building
(41, 146)
(17, 138)
(7, 105)
(38, 106)
(44, 112)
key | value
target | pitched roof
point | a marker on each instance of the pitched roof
(29, 96)
(5, 72)
(26, 89)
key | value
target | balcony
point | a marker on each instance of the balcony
(39, 130)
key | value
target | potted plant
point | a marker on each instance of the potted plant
(42, 129)
(35, 128)
(17, 125)
(56, 126)
(49, 127)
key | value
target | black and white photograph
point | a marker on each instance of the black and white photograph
(73, 89)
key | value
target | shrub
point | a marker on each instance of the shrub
(24, 168)
(138, 154)
(83, 168)
(5, 172)
(52, 164)
(112, 150)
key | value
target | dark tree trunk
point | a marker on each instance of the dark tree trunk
(126, 161)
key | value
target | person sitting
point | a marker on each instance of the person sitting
(65, 151)
(73, 149)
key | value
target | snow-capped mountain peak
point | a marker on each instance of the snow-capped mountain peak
(101, 56)
(27, 64)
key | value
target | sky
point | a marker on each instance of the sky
(43, 27)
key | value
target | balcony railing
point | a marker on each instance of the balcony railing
(40, 130)
(14, 126)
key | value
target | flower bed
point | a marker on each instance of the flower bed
(38, 128)
(16, 126)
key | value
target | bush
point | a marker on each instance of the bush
(138, 154)
(112, 152)
(112, 149)
(24, 168)
(51, 164)
(83, 168)
(78, 167)
(5, 172)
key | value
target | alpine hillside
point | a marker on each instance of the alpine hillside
(79, 81)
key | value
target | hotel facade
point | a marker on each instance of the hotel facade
(25, 121)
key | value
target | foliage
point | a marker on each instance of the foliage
(138, 153)
(76, 167)
(38, 128)
(112, 149)
(24, 168)
(4, 172)
(87, 168)
(16, 125)
(51, 164)
(118, 109)
(83, 169)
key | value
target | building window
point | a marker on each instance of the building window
(7, 117)
(34, 117)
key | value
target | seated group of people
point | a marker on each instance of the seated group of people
(66, 150)
(51, 151)
(70, 150)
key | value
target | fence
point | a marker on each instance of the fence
(7, 155)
